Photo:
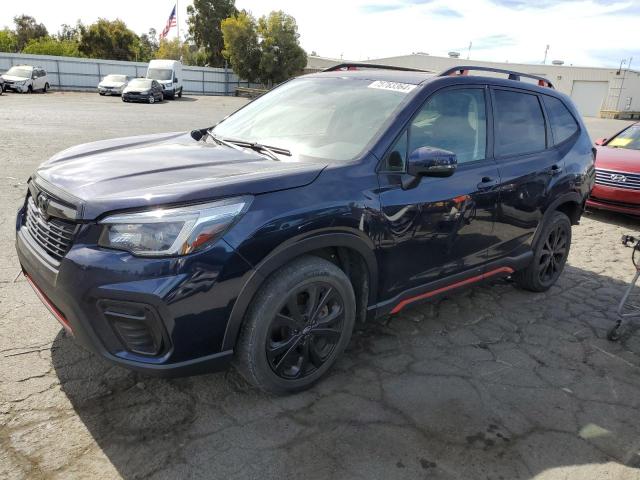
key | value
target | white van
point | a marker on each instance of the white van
(167, 73)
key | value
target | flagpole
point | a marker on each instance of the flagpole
(178, 20)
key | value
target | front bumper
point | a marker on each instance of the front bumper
(619, 200)
(16, 88)
(110, 91)
(137, 98)
(186, 302)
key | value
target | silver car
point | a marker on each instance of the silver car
(113, 84)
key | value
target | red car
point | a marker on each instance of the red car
(617, 185)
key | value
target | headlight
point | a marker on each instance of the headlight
(174, 231)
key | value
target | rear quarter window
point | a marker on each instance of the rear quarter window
(519, 123)
(563, 125)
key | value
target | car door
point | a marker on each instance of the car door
(439, 227)
(528, 168)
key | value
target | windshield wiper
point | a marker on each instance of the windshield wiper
(268, 150)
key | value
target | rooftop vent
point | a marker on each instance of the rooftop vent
(557, 62)
(454, 54)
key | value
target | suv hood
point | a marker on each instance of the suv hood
(136, 172)
(13, 78)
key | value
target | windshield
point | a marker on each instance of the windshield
(630, 138)
(140, 83)
(115, 78)
(160, 73)
(321, 118)
(23, 72)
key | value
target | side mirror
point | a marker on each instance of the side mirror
(601, 141)
(431, 162)
(175, 79)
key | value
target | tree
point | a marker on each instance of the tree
(67, 32)
(52, 46)
(28, 29)
(110, 40)
(241, 46)
(148, 46)
(205, 17)
(172, 50)
(8, 41)
(282, 56)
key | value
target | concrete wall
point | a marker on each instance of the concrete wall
(70, 73)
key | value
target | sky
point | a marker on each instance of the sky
(579, 32)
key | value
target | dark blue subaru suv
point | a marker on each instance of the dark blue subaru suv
(336, 197)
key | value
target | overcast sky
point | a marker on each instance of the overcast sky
(592, 32)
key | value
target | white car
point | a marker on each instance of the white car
(26, 79)
(113, 84)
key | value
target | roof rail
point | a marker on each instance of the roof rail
(356, 66)
(464, 70)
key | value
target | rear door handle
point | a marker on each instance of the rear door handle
(555, 169)
(487, 183)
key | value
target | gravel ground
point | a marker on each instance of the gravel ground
(491, 383)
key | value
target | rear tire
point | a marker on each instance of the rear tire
(298, 324)
(180, 94)
(549, 255)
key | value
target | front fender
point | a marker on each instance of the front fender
(286, 252)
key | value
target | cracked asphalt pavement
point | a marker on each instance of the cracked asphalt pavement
(490, 383)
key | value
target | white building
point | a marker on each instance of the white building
(595, 91)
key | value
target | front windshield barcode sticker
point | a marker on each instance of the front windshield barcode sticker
(395, 86)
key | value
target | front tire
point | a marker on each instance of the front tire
(46, 87)
(152, 99)
(549, 255)
(298, 324)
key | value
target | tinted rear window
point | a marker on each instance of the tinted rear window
(519, 123)
(563, 125)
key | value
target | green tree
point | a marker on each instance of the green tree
(67, 32)
(282, 56)
(172, 50)
(148, 46)
(52, 46)
(8, 41)
(205, 17)
(109, 40)
(241, 46)
(28, 29)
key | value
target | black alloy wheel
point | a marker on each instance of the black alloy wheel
(305, 331)
(550, 254)
(297, 325)
(554, 252)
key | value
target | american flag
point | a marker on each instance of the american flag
(170, 23)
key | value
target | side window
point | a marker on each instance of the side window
(519, 123)
(563, 125)
(453, 120)
(396, 158)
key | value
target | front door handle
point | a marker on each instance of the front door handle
(487, 183)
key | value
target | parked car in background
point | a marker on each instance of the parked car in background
(26, 79)
(113, 84)
(1, 85)
(167, 73)
(617, 185)
(335, 197)
(142, 90)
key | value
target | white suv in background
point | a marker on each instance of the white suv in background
(25, 78)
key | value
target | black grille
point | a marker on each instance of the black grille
(611, 178)
(55, 236)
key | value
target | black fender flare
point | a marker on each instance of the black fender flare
(573, 197)
(282, 255)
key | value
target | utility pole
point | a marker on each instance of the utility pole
(469, 50)
(546, 50)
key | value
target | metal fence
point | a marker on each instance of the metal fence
(71, 73)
